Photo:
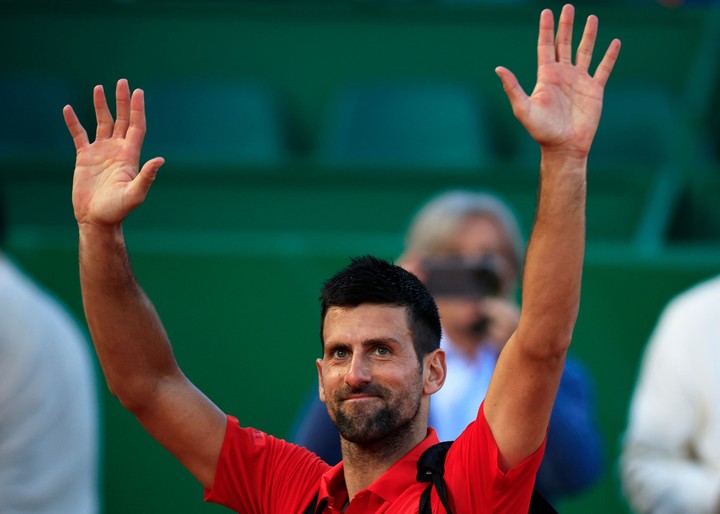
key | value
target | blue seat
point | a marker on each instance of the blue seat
(407, 124)
(32, 127)
(208, 122)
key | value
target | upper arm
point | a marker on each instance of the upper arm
(520, 399)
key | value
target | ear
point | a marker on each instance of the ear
(434, 372)
(321, 383)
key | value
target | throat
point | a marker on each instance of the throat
(364, 463)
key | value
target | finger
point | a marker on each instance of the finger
(102, 113)
(602, 73)
(78, 133)
(587, 44)
(122, 108)
(546, 38)
(140, 185)
(563, 40)
(136, 130)
(515, 93)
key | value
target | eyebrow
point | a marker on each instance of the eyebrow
(373, 341)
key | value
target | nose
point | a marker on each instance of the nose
(358, 372)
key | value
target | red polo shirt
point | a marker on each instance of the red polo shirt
(259, 473)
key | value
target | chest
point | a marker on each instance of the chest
(367, 501)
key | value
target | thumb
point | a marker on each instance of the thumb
(142, 182)
(514, 91)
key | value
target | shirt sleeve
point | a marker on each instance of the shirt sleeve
(258, 473)
(474, 477)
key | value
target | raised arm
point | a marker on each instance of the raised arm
(129, 338)
(562, 115)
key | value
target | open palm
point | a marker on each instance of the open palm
(107, 184)
(563, 111)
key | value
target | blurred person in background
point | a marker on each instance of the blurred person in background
(468, 249)
(48, 401)
(670, 460)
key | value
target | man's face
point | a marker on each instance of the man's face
(370, 377)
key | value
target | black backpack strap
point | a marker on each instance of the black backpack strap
(539, 505)
(431, 467)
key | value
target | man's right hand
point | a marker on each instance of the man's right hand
(106, 182)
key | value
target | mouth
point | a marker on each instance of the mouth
(360, 398)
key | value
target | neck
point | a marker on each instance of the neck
(364, 463)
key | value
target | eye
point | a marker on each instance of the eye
(339, 353)
(382, 351)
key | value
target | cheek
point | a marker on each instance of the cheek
(329, 382)
(411, 378)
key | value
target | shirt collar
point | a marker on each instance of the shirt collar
(389, 486)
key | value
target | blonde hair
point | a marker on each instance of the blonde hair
(439, 218)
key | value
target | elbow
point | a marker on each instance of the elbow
(545, 342)
(136, 394)
(133, 397)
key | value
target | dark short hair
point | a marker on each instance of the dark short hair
(369, 280)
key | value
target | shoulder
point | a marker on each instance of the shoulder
(689, 317)
(253, 464)
(698, 301)
(473, 474)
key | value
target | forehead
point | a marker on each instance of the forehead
(365, 322)
(477, 234)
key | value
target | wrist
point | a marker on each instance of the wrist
(560, 159)
(89, 231)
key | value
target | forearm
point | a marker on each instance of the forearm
(553, 265)
(129, 338)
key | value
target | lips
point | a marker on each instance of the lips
(366, 393)
(359, 397)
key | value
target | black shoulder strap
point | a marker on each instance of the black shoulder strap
(431, 467)
(539, 505)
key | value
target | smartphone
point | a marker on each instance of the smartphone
(460, 277)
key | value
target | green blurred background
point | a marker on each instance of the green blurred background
(255, 107)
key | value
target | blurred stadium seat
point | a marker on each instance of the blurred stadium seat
(407, 124)
(640, 129)
(207, 122)
(32, 127)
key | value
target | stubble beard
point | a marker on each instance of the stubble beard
(392, 418)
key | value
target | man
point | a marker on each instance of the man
(670, 459)
(467, 248)
(376, 384)
(48, 401)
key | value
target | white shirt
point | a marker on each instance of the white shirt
(456, 404)
(671, 456)
(48, 405)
